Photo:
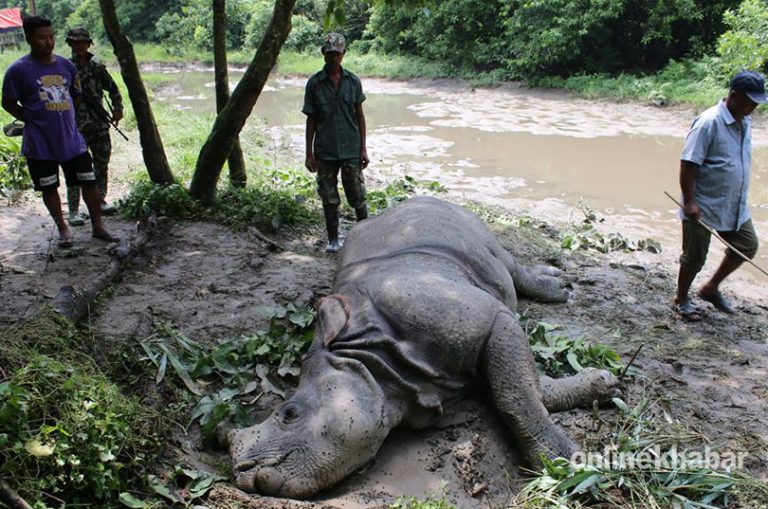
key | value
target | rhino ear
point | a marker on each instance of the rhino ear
(332, 316)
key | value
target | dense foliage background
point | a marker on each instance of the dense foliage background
(511, 39)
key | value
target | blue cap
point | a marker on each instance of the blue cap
(752, 84)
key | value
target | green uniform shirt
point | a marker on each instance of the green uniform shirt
(95, 80)
(338, 135)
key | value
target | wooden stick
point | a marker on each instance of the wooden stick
(714, 232)
(9, 496)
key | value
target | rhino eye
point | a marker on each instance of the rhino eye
(290, 413)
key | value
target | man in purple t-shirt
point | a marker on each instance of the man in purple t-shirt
(40, 89)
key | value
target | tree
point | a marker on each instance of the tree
(232, 117)
(237, 175)
(151, 143)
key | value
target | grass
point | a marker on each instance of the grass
(644, 459)
(66, 431)
(696, 82)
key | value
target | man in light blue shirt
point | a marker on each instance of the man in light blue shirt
(714, 179)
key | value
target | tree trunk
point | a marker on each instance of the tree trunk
(237, 176)
(151, 143)
(231, 119)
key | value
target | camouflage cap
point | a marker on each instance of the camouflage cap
(79, 34)
(334, 42)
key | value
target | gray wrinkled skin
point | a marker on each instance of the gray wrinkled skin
(423, 310)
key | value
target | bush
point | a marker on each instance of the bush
(305, 34)
(66, 432)
(261, 14)
(191, 25)
(14, 176)
(745, 44)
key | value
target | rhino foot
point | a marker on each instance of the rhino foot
(579, 390)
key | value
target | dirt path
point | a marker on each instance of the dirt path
(215, 283)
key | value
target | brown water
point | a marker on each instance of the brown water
(541, 153)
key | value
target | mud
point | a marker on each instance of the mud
(215, 283)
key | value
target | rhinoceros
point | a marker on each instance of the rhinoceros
(423, 310)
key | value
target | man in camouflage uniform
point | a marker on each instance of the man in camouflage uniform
(335, 136)
(95, 80)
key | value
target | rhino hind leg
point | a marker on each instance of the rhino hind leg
(579, 390)
(515, 388)
(539, 282)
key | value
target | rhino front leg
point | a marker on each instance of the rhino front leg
(579, 390)
(514, 385)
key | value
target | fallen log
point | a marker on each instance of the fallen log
(74, 303)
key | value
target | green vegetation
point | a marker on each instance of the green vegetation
(14, 176)
(559, 356)
(233, 371)
(644, 459)
(584, 235)
(66, 431)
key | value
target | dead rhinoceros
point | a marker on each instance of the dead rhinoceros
(424, 309)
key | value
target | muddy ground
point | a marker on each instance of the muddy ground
(214, 283)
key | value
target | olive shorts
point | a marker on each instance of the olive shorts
(351, 179)
(696, 243)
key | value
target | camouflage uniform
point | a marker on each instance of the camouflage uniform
(337, 138)
(95, 80)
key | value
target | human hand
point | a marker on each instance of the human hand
(117, 116)
(311, 164)
(691, 210)
(364, 159)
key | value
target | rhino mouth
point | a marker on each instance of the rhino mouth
(245, 465)
(261, 475)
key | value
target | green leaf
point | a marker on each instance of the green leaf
(161, 368)
(38, 449)
(576, 480)
(621, 405)
(574, 361)
(182, 372)
(129, 500)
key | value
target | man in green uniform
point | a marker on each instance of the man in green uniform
(335, 136)
(92, 124)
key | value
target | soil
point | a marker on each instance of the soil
(215, 283)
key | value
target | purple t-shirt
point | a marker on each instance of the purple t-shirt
(45, 91)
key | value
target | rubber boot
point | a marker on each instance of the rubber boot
(332, 226)
(361, 212)
(73, 204)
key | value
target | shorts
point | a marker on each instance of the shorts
(696, 243)
(78, 171)
(351, 178)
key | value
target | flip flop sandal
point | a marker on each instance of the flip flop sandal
(64, 242)
(720, 302)
(688, 312)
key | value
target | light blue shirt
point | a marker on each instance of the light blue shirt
(721, 147)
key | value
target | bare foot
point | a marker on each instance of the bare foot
(102, 234)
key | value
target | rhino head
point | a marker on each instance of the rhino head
(333, 425)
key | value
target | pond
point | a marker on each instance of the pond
(534, 150)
